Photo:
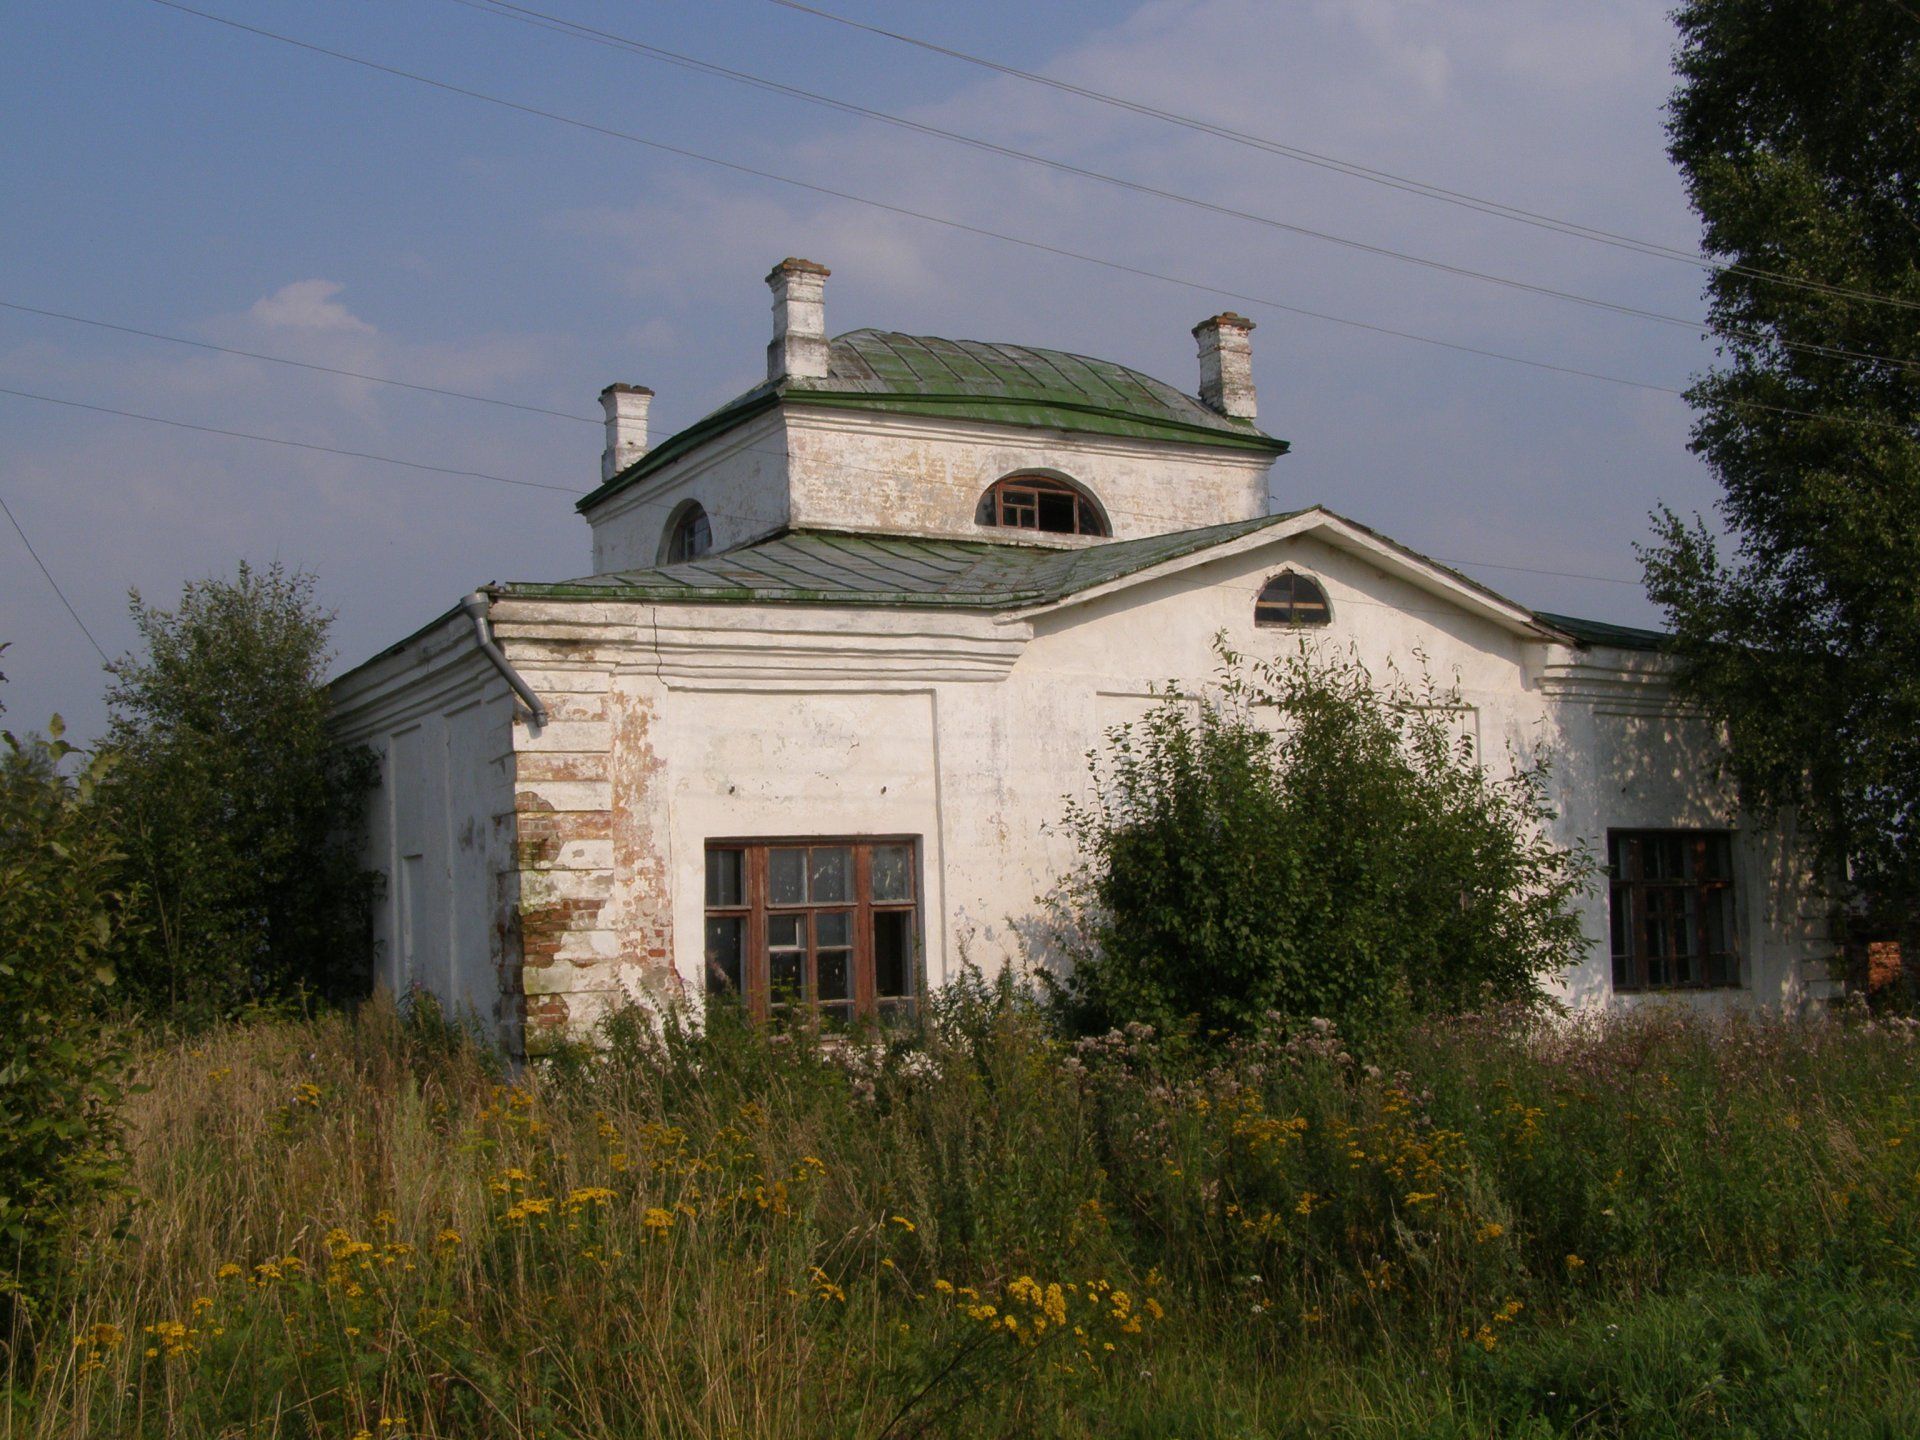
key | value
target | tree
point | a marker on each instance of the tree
(1312, 843)
(61, 1071)
(237, 811)
(1797, 129)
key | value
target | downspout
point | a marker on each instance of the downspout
(476, 606)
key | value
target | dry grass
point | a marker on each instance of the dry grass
(363, 1226)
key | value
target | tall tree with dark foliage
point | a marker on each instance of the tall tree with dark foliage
(1797, 128)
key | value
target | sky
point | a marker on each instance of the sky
(170, 174)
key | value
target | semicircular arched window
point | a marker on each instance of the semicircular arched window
(1290, 598)
(1043, 503)
(689, 536)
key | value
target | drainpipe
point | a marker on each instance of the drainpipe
(476, 606)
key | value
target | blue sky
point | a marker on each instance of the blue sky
(175, 175)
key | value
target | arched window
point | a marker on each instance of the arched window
(1040, 502)
(689, 536)
(1291, 599)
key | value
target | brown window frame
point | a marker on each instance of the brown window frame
(1274, 610)
(756, 909)
(690, 536)
(1652, 905)
(1019, 502)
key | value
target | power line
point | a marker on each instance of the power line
(887, 207)
(1364, 172)
(541, 20)
(7, 510)
(301, 364)
(504, 9)
(281, 440)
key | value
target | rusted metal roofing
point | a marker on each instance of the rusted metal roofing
(972, 380)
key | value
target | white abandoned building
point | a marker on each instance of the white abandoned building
(804, 730)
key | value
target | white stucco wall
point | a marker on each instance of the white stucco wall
(440, 824)
(967, 732)
(821, 468)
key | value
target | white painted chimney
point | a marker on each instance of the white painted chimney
(1226, 365)
(626, 412)
(799, 348)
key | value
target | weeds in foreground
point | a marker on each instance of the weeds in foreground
(362, 1227)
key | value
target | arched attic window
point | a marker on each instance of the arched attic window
(689, 535)
(1041, 502)
(1292, 599)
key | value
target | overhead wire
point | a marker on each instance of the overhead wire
(67, 604)
(887, 207)
(1043, 247)
(300, 364)
(1358, 171)
(525, 15)
(282, 440)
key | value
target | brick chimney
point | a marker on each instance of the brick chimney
(799, 348)
(626, 411)
(1226, 365)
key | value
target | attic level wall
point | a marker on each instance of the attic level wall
(740, 480)
(905, 475)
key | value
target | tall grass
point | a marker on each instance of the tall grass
(364, 1226)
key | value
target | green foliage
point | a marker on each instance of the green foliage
(237, 812)
(1313, 843)
(1628, 1226)
(1794, 126)
(61, 1072)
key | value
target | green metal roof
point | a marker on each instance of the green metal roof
(973, 380)
(833, 568)
(1599, 632)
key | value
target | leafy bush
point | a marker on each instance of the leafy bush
(60, 1072)
(1311, 842)
(237, 812)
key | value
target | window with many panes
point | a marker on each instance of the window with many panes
(829, 928)
(1040, 502)
(1672, 909)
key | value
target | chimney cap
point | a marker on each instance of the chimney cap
(794, 266)
(622, 388)
(1225, 320)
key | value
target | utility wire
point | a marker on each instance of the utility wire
(7, 510)
(504, 9)
(1364, 172)
(301, 364)
(280, 440)
(1119, 267)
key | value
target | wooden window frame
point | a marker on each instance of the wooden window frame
(1013, 503)
(1633, 968)
(756, 908)
(1271, 612)
(685, 518)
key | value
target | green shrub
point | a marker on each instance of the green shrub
(60, 1070)
(1311, 842)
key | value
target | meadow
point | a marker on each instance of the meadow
(365, 1227)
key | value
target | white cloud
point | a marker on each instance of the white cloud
(309, 305)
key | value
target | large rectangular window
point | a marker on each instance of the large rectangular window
(1672, 909)
(827, 928)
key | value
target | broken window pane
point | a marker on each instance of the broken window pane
(892, 876)
(786, 877)
(726, 949)
(892, 953)
(724, 877)
(832, 875)
(1040, 502)
(835, 969)
(787, 957)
